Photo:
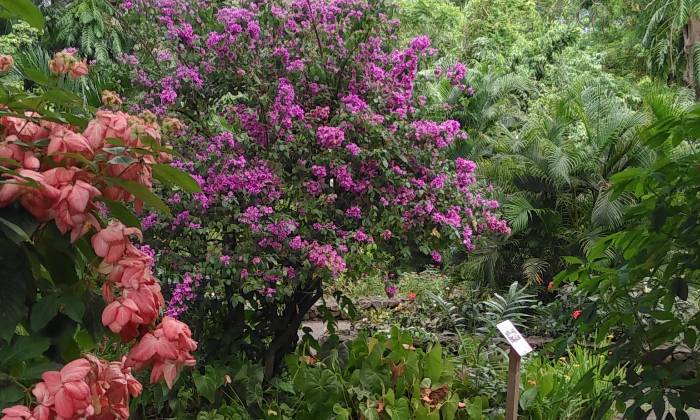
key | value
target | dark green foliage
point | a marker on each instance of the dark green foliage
(642, 280)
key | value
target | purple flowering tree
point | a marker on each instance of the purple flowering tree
(314, 158)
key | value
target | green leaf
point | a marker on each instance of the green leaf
(24, 10)
(546, 384)
(173, 176)
(62, 97)
(24, 348)
(73, 306)
(14, 231)
(527, 398)
(122, 213)
(15, 277)
(43, 311)
(433, 363)
(144, 194)
(341, 413)
(475, 409)
(206, 385)
(34, 370)
(10, 394)
(400, 410)
(122, 160)
(679, 287)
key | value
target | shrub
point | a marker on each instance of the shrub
(305, 136)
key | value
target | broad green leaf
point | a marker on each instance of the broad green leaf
(206, 385)
(24, 348)
(62, 97)
(433, 363)
(173, 176)
(400, 410)
(527, 398)
(143, 193)
(43, 311)
(10, 394)
(24, 10)
(73, 306)
(15, 276)
(122, 213)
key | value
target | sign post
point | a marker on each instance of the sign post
(518, 347)
(513, 396)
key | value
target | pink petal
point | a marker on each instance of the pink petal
(63, 404)
(169, 372)
(144, 349)
(75, 370)
(53, 381)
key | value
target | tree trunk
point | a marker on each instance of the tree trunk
(691, 38)
(287, 329)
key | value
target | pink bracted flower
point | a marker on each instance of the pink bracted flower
(111, 384)
(6, 62)
(68, 389)
(17, 412)
(64, 141)
(110, 243)
(26, 158)
(107, 124)
(72, 209)
(168, 348)
(122, 317)
(36, 194)
(79, 69)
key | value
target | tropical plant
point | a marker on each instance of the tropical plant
(671, 34)
(550, 386)
(91, 26)
(330, 169)
(638, 279)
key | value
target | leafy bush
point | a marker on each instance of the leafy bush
(63, 172)
(550, 386)
(638, 279)
(304, 176)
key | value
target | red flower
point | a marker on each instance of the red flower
(575, 314)
(550, 286)
(411, 296)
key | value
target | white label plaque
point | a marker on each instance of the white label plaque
(514, 338)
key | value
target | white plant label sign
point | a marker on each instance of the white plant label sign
(514, 338)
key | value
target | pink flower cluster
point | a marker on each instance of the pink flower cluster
(52, 184)
(86, 388)
(65, 62)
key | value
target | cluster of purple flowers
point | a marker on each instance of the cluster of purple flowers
(304, 140)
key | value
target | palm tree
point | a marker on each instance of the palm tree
(671, 31)
(556, 172)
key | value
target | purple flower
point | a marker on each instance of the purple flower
(225, 260)
(318, 171)
(354, 212)
(436, 256)
(330, 137)
(391, 290)
(353, 149)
